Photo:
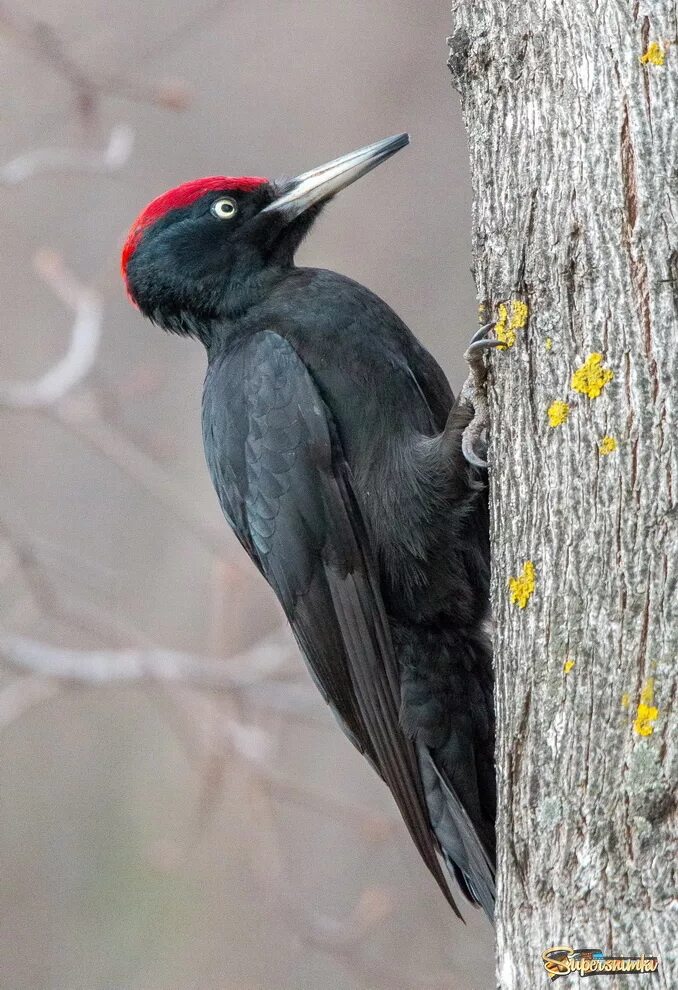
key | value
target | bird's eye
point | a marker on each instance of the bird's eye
(224, 208)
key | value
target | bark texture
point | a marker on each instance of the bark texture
(572, 117)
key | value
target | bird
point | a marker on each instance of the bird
(334, 443)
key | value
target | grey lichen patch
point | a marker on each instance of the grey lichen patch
(644, 766)
(648, 791)
(642, 828)
(550, 812)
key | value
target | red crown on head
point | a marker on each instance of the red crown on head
(183, 195)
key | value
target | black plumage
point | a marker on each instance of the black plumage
(334, 446)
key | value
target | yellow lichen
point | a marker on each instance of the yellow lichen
(655, 55)
(626, 700)
(592, 377)
(506, 326)
(522, 588)
(568, 666)
(607, 446)
(501, 329)
(519, 313)
(557, 413)
(548, 343)
(647, 713)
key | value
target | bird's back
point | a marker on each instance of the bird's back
(385, 402)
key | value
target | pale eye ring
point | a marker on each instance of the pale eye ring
(224, 208)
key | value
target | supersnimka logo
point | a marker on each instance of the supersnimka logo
(563, 960)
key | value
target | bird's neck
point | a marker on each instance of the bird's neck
(247, 289)
(224, 302)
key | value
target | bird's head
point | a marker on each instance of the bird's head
(213, 247)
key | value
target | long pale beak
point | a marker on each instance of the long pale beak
(298, 194)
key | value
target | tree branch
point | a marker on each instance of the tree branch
(264, 660)
(84, 344)
(114, 156)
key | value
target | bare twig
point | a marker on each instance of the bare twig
(130, 666)
(84, 344)
(114, 156)
(164, 44)
(79, 414)
(50, 596)
(64, 559)
(40, 38)
(266, 675)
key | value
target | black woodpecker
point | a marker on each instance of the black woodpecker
(335, 447)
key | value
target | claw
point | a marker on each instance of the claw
(483, 332)
(467, 441)
(478, 346)
(473, 392)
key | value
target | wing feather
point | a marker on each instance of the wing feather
(286, 488)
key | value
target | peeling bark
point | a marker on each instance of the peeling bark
(572, 117)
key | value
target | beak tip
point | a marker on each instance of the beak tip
(399, 141)
(321, 183)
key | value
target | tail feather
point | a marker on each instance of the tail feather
(463, 849)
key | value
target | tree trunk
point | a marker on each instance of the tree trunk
(571, 110)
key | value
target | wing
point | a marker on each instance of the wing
(286, 488)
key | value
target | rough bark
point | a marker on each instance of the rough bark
(572, 114)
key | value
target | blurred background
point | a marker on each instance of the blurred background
(178, 810)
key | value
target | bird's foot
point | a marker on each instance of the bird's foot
(474, 393)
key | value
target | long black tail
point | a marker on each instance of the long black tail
(448, 709)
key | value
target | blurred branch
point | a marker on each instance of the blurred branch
(22, 552)
(214, 731)
(133, 666)
(164, 44)
(79, 413)
(115, 155)
(64, 558)
(42, 41)
(84, 344)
